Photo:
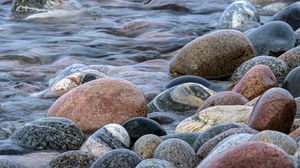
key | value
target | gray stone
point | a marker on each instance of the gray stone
(290, 15)
(162, 117)
(177, 152)
(273, 8)
(188, 137)
(297, 34)
(291, 82)
(184, 97)
(146, 145)
(49, 133)
(297, 99)
(118, 158)
(155, 163)
(278, 67)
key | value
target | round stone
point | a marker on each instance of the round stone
(278, 67)
(275, 110)
(272, 38)
(64, 133)
(118, 158)
(212, 56)
(137, 127)
(291, 57)
(177, 152)
(211, 116)
(291, 82)
(100, 102)
(6, 163)
(290, 15)
(146, 145)
(155, 163)
(188, 137)
(72, 159)
(107, 138)
(255, 82)
(252, 154)
(285, 142)
(239, 14)
(181, 98)
(223, 98)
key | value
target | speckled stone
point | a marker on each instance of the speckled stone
(291, 57)
(137, 127)
(64, 133)
(290, 15)
(146, 145)
(162, 117)
(272, 38)
(252, 154)
(118, 158)
(275, 110)
(177, 152)
(223, 98)
(238, 14)
(212, 132)
(107, 138)
(212, 56)
(211, 116)
(291, 82)
(286, 143)
(73, 159)
(204, 150)
(225, 145)
(278, 67)
(6, 163)
(184, 97)
(155, 163)
(188, 137)
(100, 102)
(255, 82)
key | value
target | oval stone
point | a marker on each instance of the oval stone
(291, 82)
(223, 98)
(275, 110)
(291, 57)
(146, 145)
(290, 15)
(255, 82)
(155, 163)
(100, 102)
(72, 159)
(212, 56)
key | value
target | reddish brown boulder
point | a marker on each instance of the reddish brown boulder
(291, 57)
(255, 82)
(100, 102)
(223, 98)
(275, 110)
(252, 154)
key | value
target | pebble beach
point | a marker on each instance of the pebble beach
(149, 84)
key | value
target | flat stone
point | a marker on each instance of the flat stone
(146, 145)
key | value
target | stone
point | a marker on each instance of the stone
(73, 159)
(137, 127)
(238, 14)
(155, 163)
(297, 34)
(223, 98)
(213, 56)
(272, 8)
(291, 82)
(107, 138)
(295, 134)
(266, 2)
(255, 82)
(118, 158)
(146, 145)
(291, 58)
(188, 137)
(162, 117)
(212, 132)
(195, 79)
(275, 110)
(149, 96)
(273, 38)
(225, 145)
(177, 152)
(6, 163)
(182, 98)
(283, 141)
(64, 133)
(278, 67)
(211, 116)
(100, 102)
(252, 102)
(290, 15)
(252, 154)
(207, 147)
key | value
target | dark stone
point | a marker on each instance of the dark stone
(155, 163)
(161, 117)
(188, 137)
(290, 15)
(139, 126)
(6, 163)
(291, 82)
(89, 77)
(273, 38)
(118, 158)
